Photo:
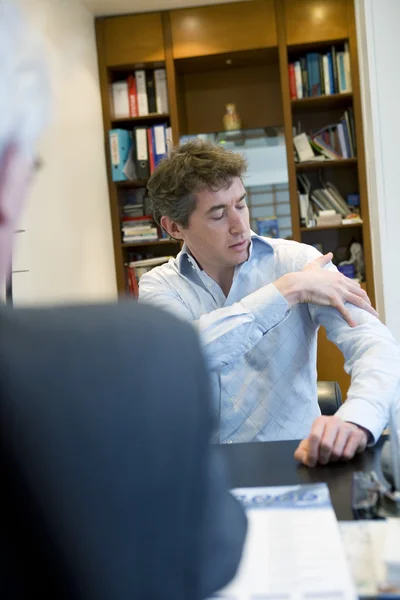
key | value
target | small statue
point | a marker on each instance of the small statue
(231, 118)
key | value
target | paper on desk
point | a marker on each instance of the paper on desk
(293, 549)
(365, 543)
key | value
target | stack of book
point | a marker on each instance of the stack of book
(134, 202)
(137, 268)
(141, 94)
(138, 229)
(317, 74)
(135, 155)
(323, 206)
(332, 142)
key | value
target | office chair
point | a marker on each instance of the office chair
(329, 397)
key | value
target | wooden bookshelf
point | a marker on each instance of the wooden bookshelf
(131, 183)
(324, 227)
(324, 102)
(326, 164)
(151, 243)
(239, 52)
(150, 118)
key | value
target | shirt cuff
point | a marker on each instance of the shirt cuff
(362, 413)
(268, 306)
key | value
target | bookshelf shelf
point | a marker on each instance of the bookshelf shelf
(323, 227)
(329, 102)
(153, 243)
(152, 117)
(137, 183)
(326, 164)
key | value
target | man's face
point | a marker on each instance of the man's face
(15, 177)
(218, 233)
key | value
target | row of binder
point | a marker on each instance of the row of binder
(135, 155)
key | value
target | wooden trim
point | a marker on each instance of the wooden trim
(112, 190)
(315, 165)
(287, 117)
(361, 165)
(171, 77)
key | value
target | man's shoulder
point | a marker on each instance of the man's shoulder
(293, 255)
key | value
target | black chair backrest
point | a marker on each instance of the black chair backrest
(329, 397)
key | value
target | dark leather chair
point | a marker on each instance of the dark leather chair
(329, 397)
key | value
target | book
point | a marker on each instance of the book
(268, 227)
(120, 99)
(133, 100)
(303, 148)
(292, 82)
(297, 75)
(326, 72)
(151, 92)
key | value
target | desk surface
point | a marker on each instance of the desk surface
(271, 463)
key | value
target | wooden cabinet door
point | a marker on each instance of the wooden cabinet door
(131, 39)
(223, 28)
(309, 21)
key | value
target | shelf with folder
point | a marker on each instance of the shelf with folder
(321, 228)
(152, 117)
(326, 164)
(325, 102)
(152, 243)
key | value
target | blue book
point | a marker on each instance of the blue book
(120, 149)
(342, 72)
(331, 72)
(346, 137)
(268, 227)
(314, 80)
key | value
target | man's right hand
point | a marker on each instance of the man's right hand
(316, 285)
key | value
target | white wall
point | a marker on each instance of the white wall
(68, 218)
(379, 48)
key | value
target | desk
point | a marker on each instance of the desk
(272, 463)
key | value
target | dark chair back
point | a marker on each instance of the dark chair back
(329, 397)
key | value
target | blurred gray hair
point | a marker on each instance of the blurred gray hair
(24, 82)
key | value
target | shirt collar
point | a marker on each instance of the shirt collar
(184, 258)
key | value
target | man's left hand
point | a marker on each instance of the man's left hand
(330, 440)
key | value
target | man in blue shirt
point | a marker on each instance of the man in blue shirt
(257, 304)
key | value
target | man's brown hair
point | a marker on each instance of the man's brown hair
(191, 168)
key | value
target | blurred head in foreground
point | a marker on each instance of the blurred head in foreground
(24, 107)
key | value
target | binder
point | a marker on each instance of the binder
(151, 92)
(120, 149)
(142, 155)
(141, 89)
(160, 80)
(160, 147)
(120, 99)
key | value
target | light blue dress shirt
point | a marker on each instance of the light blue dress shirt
(262, 355)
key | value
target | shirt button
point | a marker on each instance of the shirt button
(229, 441)
(231, 400)
(209, 285)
